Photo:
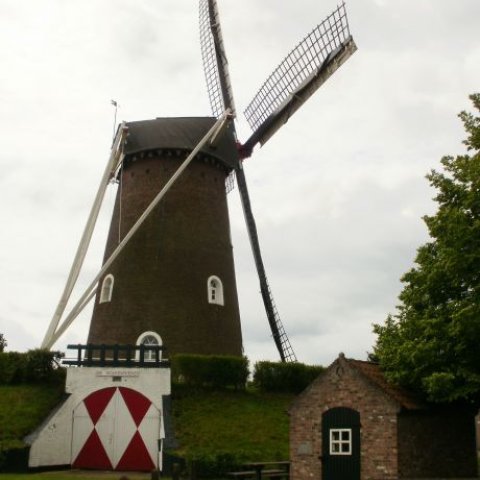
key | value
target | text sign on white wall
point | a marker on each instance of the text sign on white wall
(118, 373)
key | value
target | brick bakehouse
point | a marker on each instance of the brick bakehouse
(351, 424)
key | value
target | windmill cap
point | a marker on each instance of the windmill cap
(182, 133)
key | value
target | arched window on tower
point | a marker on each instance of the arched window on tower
(150, 339)
(215, 290)
(107, 289)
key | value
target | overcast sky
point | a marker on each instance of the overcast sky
(338, 193)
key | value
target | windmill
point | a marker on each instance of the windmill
(168, 271)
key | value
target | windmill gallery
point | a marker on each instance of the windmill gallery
(168, 278)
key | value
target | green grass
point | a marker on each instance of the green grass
(23, 408)
(250, 425)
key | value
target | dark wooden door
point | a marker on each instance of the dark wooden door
(341, 444)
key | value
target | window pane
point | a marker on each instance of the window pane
(149, 340)
(340, 441)
(149, 356)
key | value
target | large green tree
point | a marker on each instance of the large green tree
(432, 344)
(3, 342)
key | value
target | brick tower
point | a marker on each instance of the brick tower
(174, 283)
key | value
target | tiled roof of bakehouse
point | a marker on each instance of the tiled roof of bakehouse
(374, 374)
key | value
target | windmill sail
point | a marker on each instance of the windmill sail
(279, 334)
(214, 59)
(299, 75)
(221, 97)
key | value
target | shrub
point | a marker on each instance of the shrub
(30, 367)
(212, 465)
(217, 371)
(40, 365)
(284, 377)
(12, 368)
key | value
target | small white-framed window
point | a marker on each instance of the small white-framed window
(107, 289)
(340, 441)
(151, 339)
(215, 290)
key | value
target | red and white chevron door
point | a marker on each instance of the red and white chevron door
(116, 428)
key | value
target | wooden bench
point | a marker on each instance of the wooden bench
(243, 474)
(275, 473)
(258, 472)
(253, 473)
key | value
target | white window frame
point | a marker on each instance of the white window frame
(340, 442)
(107, 289)
(215, 293)
(149, 356)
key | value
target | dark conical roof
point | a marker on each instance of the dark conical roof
(180, 133)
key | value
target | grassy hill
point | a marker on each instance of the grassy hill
(249, 425)
(215, 429)
(23, 408)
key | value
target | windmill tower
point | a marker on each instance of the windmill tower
(168, 273)
(175, 279)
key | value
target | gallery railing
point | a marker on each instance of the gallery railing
(138, 356)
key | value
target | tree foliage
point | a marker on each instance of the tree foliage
(432, 344)
(3, 342)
